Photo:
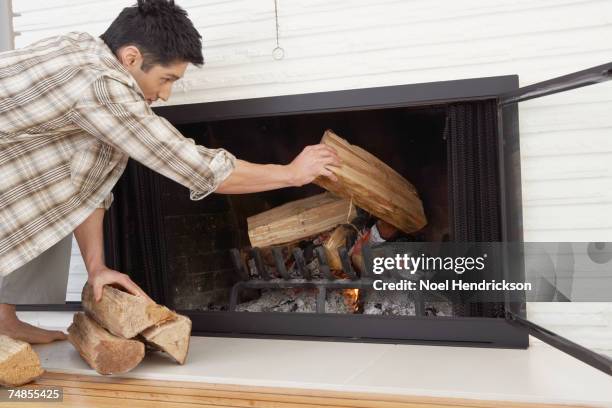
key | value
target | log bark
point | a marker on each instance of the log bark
(373, 186)
(171, 337)
(299, 219)
(122, 313)
(19, 363)
(103, 351)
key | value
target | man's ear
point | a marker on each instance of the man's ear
(130, 56)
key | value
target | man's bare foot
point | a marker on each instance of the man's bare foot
(11, 326)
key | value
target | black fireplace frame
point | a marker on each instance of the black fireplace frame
(453, 331)
(458, 331)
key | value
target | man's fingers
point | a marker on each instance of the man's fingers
(329, 155)
(97, 292)
(324, 146)
(128, 284)
(116, 279)
(144, 295)
(332, 161)
(329, 174)
(134, 289)
(321, 148)
(329, 162)
(332, 157)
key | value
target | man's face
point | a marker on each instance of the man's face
(156, 82)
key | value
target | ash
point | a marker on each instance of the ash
(438, 309)
(388, 303)
(298, 301)
(395, 303)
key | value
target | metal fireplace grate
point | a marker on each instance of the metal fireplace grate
(286, 278)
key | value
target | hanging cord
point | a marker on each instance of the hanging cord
(278, 52)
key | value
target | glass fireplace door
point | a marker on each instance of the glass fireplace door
(566, 177)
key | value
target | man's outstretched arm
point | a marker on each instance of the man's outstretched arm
(115, 114)
(90, 237)
(249, 177)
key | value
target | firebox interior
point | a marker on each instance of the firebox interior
(443, 137)
(410, 140)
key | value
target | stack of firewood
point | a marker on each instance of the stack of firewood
(112, 333)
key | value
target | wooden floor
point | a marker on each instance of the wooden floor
(88, 391)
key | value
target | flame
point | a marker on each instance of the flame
(351, 297)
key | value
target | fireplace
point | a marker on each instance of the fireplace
(444, 137)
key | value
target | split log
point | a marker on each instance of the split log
(122, 313)
(171, 337)
(373, 186)
(19, 363)
(104, 352)
(337, 240)
(299, 219)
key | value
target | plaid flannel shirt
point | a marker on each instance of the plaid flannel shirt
(70, 117)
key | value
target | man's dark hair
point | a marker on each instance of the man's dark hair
(161, 31)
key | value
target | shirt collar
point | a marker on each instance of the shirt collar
(111, 58)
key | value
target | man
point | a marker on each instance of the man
(73, 109)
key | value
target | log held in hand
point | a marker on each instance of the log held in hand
(373, 186)
(126, 316)
(123, 314)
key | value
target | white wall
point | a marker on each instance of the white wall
(341, 44)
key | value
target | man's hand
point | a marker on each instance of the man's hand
(89, 238)
(106, 276)
(314, 161)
